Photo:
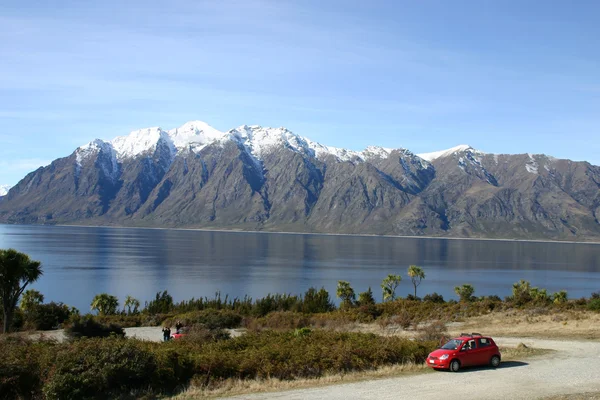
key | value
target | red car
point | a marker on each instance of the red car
(181, 332)
(465, 351)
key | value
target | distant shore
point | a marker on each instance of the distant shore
(320, 233)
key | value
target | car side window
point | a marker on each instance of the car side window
(484, 342)
(470, 345)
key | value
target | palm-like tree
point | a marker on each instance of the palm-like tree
(17, 271)
(105, 304)
(132, 304)
(346, 293)
(416, 274)
(389, 285)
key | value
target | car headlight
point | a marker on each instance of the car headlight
(444, 357)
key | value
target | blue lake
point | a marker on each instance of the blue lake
(80, 262)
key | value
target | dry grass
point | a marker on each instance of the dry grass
(526, 323)
(542, 324)
(521, 352)
(232, 387)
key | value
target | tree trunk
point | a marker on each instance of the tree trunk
(415, 292)
(7, 319)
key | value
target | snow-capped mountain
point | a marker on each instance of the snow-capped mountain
(196, 135)
(4, 189)
(259, 178)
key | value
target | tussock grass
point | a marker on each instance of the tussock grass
(521, 352)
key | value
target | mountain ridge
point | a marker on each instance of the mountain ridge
(258, 178)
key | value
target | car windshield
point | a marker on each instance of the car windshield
(452, 345)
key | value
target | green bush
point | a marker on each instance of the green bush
(87, 326)
(22, 367)
(594, 305)
(162, 304)
(202, 335)
(316, 301)
(434, 298)
(105, 368)
(279, 321)
(287, 355)
(210, 319)
(126, 321)
(276, 302)
(47, 316)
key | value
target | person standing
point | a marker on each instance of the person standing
(166, 333)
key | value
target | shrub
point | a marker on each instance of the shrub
(162, 304)
(366, 298)
(316, 301)
(22, 367)
(279, 321)
(105, 368)
(200, 334)
(594, 305)
(125, 321)
(560, 297)
(275, 302)
(286, 355)
(435, 331)
(434, 298)
(209, 319)
(47, 316)
(87, 326)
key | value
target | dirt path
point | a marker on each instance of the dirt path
(573, 368)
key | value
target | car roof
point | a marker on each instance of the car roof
(469, 337)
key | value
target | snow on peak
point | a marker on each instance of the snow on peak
(195, 135)
(137, 142)
(4, 189)
(92, 147)
(532, 165)
(376, 152)
(444, 153)
(259, 140)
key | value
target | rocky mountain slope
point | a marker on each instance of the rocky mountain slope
(272, 179)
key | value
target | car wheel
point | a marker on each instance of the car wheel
(454, 366)
(495, 361)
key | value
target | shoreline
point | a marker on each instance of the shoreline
(319, 233)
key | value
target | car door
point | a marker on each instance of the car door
(468, 353)
(486, 351)
(480, 353)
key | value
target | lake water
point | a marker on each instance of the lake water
(80, 262)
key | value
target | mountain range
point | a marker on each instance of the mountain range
(256, 178)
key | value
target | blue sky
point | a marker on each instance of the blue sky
(502, 76)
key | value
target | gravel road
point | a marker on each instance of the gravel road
(573, 368)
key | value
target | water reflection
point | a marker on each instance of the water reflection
(80, 262)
